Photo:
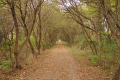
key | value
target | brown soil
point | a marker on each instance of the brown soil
(59, 64)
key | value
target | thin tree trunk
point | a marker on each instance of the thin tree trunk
(16, 52)
(92, 46)
(40, 31)
(99, 49)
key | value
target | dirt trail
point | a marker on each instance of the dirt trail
(59, 64)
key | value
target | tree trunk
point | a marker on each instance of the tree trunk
(40, 31)
(91, 43)
(99, 49)
(16, 52)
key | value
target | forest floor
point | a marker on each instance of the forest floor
(58, 63)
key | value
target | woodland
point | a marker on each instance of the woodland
(28, 27)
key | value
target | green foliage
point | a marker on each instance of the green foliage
(90, 10)
(109, 46)
(6, 43)
(45, 44)
(1, 2)
(81, 42)
(93, 59)
(5, 65)
(109, 53)
(32, 38)
(93, 38)
(21, 40)
(107, 56)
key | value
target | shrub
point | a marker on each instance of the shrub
(5, 65)
(94, 59)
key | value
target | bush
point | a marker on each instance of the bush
(109, 46)
(94, 59)
(5, 65)
(21, 40)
